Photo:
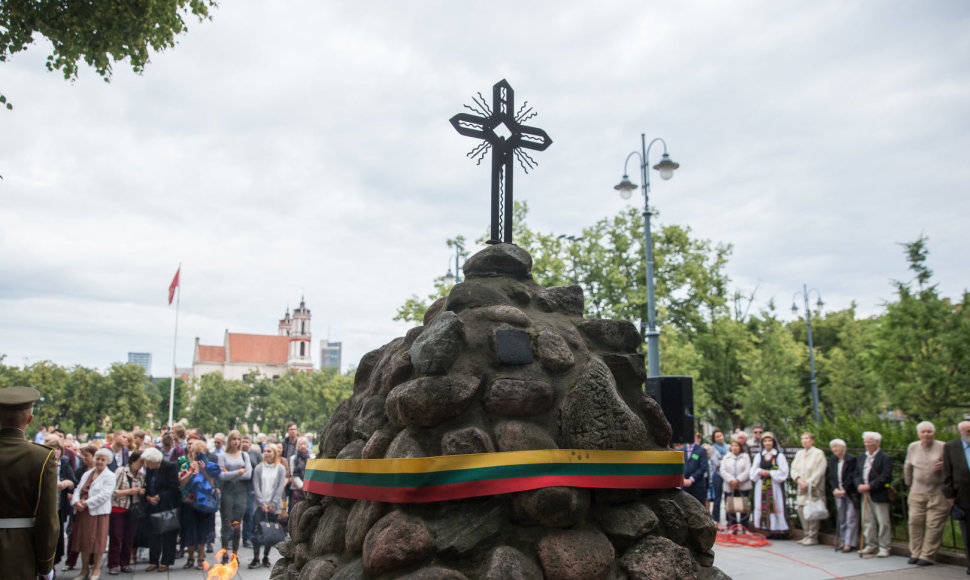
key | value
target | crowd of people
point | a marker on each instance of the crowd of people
(129, 491)
(748, 477)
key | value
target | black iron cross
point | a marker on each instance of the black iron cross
(501, 130)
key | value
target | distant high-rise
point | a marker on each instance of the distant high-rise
(330, 354)
(142, 359)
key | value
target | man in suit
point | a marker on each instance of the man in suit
(842, 468)
(28, 492)
(874, 470)
(695, 470)
(956, 477)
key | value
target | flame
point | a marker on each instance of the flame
(222, 571)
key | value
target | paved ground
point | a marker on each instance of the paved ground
(791, 561)
(781, 559)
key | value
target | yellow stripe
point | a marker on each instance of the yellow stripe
(40, 483)
(477, 460)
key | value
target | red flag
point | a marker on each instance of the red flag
(174, 285)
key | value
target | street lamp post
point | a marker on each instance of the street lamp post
(573, 240)
(811, 347)
(666, 169)
(458, 250)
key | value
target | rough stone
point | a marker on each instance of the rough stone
(703, 559)
(286, 548)
(376, 446)
(520, 436)
(551, 507)
(464, 441)
(396, 541)
(352, 450)
(513, 346)
(302, 555)
(307, 522)
(553, 352)
(293, 523)
(468, 295)
(362, 517)
(330, 533)
(673, 522)
(433, 310)
(576, 555)
(429, 401)
(293, 572)
(318, 569)
(518, 398)
(405, 445)
(506, 563)
(657, 558)
(712, 573)
(507, 314)
(702, 531)
(499, 260)
(439, 345)
(434, 573)
(656, 422)
(564, 299)
(625, 524)
(370, 417)
(336, 435)
(615, 496)
(394, 372)
(279, 570)
(351, 571)
(612, 335)
(593, 416)
(460, 529)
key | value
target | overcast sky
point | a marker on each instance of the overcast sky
(303, 148)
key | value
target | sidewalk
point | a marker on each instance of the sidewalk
(789, 560)
(177, 573)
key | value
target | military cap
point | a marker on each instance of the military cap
(18, 398)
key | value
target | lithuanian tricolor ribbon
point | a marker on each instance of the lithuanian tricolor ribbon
(448, 477)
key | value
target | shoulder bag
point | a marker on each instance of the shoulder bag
(814, 508)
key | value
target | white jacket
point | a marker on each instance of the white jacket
(99, 496)
(736, 467)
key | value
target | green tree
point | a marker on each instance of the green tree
(159, 392)
(126, 403)
(97, 33)
(219, 404)
(308, 399)
(922, 354)
(773, 395)
(848, 383)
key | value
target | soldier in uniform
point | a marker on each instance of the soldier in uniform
(28, 492)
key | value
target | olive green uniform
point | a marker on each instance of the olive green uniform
(28, 489)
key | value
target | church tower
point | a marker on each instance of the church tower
(299, 333)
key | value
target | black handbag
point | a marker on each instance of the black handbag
(137, 508)
(270, 533)
(166, 521)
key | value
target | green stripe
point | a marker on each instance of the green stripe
(498, 472)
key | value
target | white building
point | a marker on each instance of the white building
(242, 354)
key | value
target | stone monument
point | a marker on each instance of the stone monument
(501, 365)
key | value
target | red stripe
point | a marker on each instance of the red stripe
(489, 487)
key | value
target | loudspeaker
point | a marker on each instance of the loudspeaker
(676, 397)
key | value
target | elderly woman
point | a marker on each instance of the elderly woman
(842, 468)
(127, 497)
(92, 506)
(269, 481)
(808, 472)
(735, 471)
(86, 454)
(162, 494)
(298, 470)
(769, 470)
(195, 523)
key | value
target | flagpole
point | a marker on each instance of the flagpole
(171, 391)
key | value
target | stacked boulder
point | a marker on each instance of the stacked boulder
(501, 364)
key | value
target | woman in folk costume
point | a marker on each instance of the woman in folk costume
(808, 472)
(769, 470)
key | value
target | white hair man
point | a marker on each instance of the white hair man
(875, 470)
(928, 509)
(842, 470)
(956, 479)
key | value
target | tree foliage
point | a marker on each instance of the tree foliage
(96, 33)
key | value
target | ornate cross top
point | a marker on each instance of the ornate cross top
(501, 130)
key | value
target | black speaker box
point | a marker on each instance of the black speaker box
(676, 397)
